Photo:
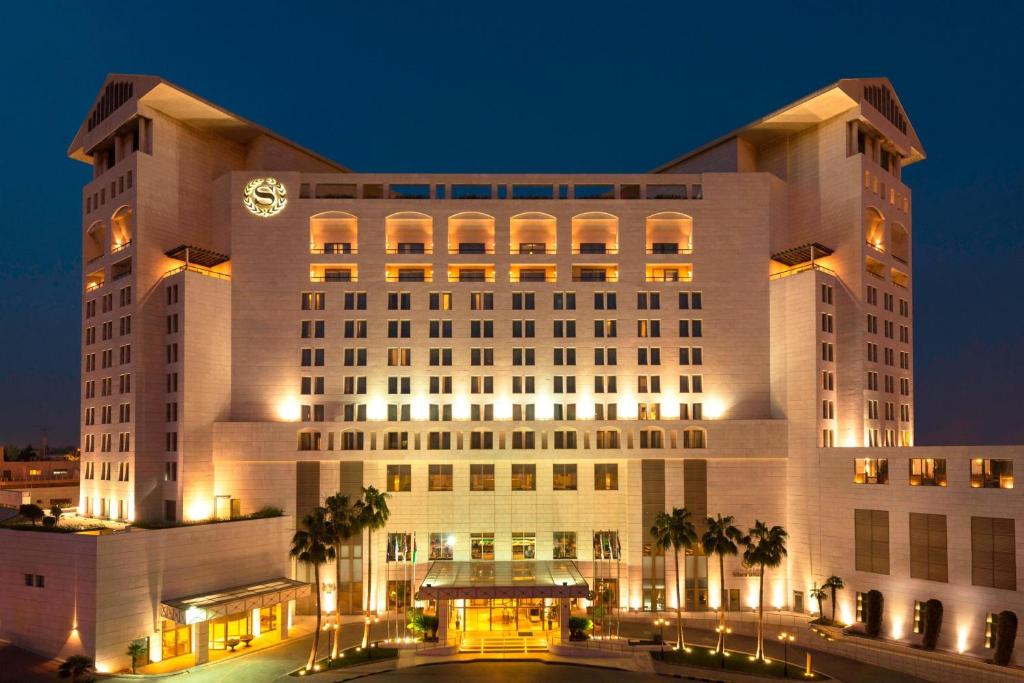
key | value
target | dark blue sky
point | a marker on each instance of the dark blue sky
(546, 86)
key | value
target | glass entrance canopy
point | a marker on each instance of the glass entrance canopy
(526, 579)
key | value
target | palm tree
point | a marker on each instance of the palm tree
(675, 531)
(765, 547)
(74, 667)
(721, 538)
(833, 583)
(818, 593)
(312, 545)
(135, 650)
(343, 523)
(373, 514)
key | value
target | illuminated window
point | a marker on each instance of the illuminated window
(481, 478)
(442, 546)
(563, 476)
(524, 477)
(524, 545)
(439, 477)
(399, 478)
(927, 472)
(482, 546)
(991, 474)
(563, 545)
(871, 471)
(606, 477)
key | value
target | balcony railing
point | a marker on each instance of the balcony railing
(340, 248)
(531, 248)
(532, 278)
(471, 278)
(334, 277)
(682, 277)
(671, 249)
(409, 277)
(413, 249)
(121, 247)
(595, 278)
(197, 269)
(599, 249)
(470, 249)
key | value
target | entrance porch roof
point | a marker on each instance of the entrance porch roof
(206, 606)
(516, 579)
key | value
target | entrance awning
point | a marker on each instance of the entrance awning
(523, 579)
(207, 606)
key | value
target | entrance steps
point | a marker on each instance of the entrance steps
(524, 642)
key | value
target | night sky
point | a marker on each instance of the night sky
(534, 87)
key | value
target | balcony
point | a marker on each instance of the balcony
(399, 273)
(95, 280)
(682, 272)
(532, 273)
(408, 232)
(333, 232)
(122, 268)
(118, 248)
(409, 248)
(471, 248)
(471, 233)
(333, 273)
(471, 273)
(669, 232)
(604, 273)
(594, 248)
(595, 233)
(533, 233)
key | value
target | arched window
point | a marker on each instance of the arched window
(121, 227)
(533, 233)
(900, 243)
(595, 232)
(669, 232)
(333, 232)
(95, 241)
(874, 228)
(471, 233)
(409, 232)
(695, 437)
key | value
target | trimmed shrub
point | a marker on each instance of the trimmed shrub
(932, 623)
(578, 627)
(49, 521)
(1006, 634)
(874, 604)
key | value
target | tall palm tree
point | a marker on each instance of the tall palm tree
(373, 514)
(74, 667)
(765, 547)
(833, 583)
(675, 531)
(721, 538)
(343, 523)
(312, 545)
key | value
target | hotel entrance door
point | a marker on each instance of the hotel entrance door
(512, 615)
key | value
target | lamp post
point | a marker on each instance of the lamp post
(720, 630)
(786, 639)
(661, 623)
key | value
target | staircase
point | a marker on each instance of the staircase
(524, 642)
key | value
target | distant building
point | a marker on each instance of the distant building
(43, 482)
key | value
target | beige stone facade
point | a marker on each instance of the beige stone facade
(526, 363)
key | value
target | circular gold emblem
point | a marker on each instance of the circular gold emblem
(264, 197)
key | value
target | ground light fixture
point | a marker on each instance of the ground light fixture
(786, 639)
(661, 623)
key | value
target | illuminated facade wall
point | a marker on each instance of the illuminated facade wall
(404, 321)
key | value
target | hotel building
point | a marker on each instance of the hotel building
(532, 366)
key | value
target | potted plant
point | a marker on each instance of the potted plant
(874, 604)
(578, 627)
(1006, 634)
(932, 623)
(135, 650)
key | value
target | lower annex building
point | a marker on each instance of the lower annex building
(532, 366)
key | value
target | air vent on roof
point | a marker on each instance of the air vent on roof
(882, 99)
(114, 95)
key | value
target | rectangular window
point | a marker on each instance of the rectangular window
(442, 546)
(563, 546)
(606, 476)
(928, 552)
(993, 553)
(871, 541)
(439, 477)
(987, 473)
(563, 476)
(524, 545)
(481, 546)
(871, 471)
(524, 477)
(927, 472)
(481, 478)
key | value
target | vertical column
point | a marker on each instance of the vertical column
(563, 619)
(201, 641)
(442, 622)
(286, 617)
(255, 629)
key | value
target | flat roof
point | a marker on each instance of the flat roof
(206, 606)
(510, 579)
